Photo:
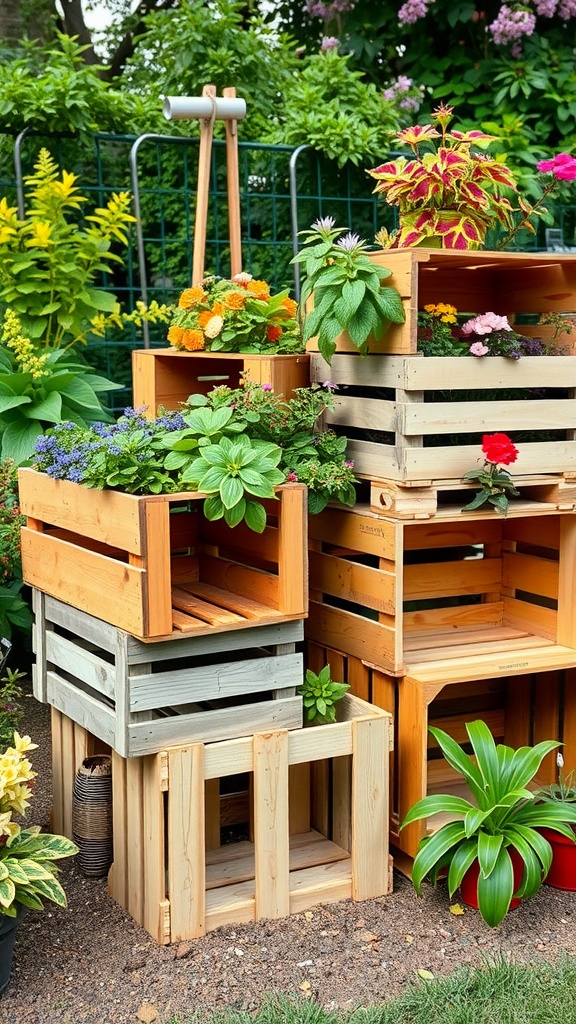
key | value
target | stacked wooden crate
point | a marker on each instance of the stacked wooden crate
(172, 642)
(435, 614)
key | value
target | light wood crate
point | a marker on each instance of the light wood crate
(183, 891)
(507, 283)
(519, 710)
(456, 597)
(139, 697)
(165, 378)
(383, 401)
(154, 566)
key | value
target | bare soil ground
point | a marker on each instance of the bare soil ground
(91, 964)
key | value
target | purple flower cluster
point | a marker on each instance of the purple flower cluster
(566, 9)
(412, 11)
(512, 24)
(328, 11)
(545, 8)
(399, 91)
(329, 43)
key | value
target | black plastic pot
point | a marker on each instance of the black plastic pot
(8, 926)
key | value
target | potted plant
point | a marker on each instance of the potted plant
(347, 288)
(27, 871)
(562, 874)
(447, 197)
(495, 849)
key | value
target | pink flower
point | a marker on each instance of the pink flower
(291, 477)
(266, 387)
(562, 166)
(485, 324)
(479, 349)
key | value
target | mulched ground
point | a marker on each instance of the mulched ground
(91, 963)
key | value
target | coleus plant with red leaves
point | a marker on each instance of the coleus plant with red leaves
(452, 191)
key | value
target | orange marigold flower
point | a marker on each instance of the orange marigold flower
(204, 317)
(234, 300)
(259, 289)
(191, 297)
(175, 335)
(192, 340)
(290, 306)
(217, 309)
(273, 332)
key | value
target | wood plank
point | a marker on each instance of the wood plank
(73, 658)
(243, 606)
(448, 579)
(428, 621)
(255, 584)
(547, 720)
(211, 726)
(154, 856)
(531, 574)
(356, 529)
(81, 707)
(569, 721)
(432, 643)
(133, 811)
(183, 598)
(299, 799)
(355, 635)
(566, 629)
(85, 579)
(543, 622)
(520, 645)
(178, 646)
(358, 678)
(118, 876)
(186, 834)
(69, 768)
(370, 808)
(328, 883)
(57, 817)
(271, 845)
(463, 533)
(94, 631)
(292, 551)
(212, 682)
(108, 516)
(359, 584)
(494, 664)
(374, 461)
(463, 417)
(157, 600)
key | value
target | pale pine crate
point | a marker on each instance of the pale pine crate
(455, 597)
(184, 888)
(154, 566)
(165, 378)
(507, 283)
(138, 697)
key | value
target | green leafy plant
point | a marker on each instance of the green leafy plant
(505, 816)
(347, 289)
(49, 263)
(28, 874)
(15, 613)
(495, 482)
(320, 695)
(38, 390)
(563, 791)
(11, 710)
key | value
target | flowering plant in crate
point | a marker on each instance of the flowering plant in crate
(238, 315)
(349, 294)
(235, 445)
(487, 334)
(27, 871)
(496, 482)
(450, 192)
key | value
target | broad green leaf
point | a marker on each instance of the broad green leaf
(255, 516)
(18, 441)
(459, 760)
(231, 491)
(7, 892)
(446, 838)
(213, 508)
(495, 892)
(437, 804)
(463, 857)
(235, 515)
(489, 847)
(49, 410)
(13, 401)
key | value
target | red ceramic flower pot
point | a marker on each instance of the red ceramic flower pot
(562, 874)
(469, 884)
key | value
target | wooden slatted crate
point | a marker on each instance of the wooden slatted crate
(183, 891)
(456, 597)
(507, 283)
(520, 710)
(154, 566)
(401, 412)
(164, 378)
(138, 697)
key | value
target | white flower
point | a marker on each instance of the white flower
(214, 326)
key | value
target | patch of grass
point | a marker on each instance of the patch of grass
(499, 993)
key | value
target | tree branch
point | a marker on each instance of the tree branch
(127, 45)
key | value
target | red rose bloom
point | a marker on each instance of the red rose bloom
(498, 449)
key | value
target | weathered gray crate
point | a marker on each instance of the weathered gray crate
(140, 697)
